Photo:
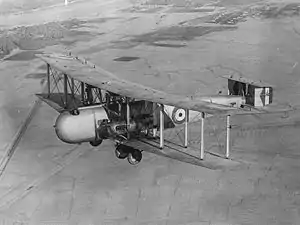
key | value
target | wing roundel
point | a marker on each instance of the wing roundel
(178, 115)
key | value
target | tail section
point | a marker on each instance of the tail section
(256, 93)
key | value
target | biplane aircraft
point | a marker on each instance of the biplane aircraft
(95, 105)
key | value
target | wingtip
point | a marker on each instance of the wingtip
(54, 55)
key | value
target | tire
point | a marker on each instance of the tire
(135, 157)
(121, 154)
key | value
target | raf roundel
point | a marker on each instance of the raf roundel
(178, 115)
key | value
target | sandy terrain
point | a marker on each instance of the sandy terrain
(183, 49)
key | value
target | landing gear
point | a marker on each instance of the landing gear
(121, 152)
(134, 156)
(96, 143)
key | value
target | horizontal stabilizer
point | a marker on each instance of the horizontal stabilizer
(245, 80)
(256, 93)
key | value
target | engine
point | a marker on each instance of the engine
(92, 124)
(82, 127)
(120, 129)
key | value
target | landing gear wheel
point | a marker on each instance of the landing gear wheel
(96, 143)
(121, 154)
(134, 157)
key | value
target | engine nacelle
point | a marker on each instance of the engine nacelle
(82, 127)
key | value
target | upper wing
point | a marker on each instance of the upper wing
(103, 79)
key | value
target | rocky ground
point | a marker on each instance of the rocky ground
(181, 47)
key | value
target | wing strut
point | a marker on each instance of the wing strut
(127, 115)
(154, 108)
(228, 127)
(48, 80)
(202, 136)
(186, 128)
(66, 89)
(82, 86)
(72, 87)
(161, 127)
(73, 92)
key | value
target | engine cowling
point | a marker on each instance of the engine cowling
(82, 127)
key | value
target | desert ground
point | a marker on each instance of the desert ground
(181, 47)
